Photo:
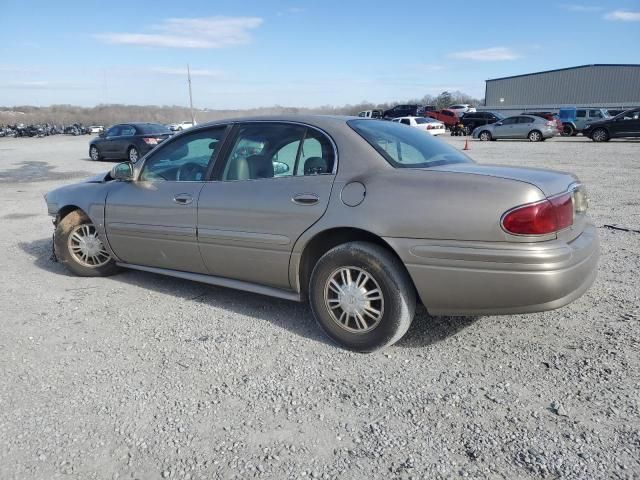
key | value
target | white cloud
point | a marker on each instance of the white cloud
(487, 54)
(208, 32)
(623, 16)
(183, 71)
(574, 7)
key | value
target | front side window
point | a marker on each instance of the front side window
(595, 114)
(510, 121)
(113, 131)
(407, 147)
(273, 150)
(185, 159)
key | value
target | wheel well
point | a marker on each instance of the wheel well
(325, 241)
(66, 210)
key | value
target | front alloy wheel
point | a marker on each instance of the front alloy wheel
(599, 135)
(485, 136)
(133, 155)
(79, 247)
(94, 153)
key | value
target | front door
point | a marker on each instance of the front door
(152, 221)
(107, 144)
(627, 125)
(505, 128)
(274, 184)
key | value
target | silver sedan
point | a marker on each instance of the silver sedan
(531, 127)
(362, 218)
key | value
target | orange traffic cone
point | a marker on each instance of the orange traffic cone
(466, 144)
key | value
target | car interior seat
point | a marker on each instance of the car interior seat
(315, 166)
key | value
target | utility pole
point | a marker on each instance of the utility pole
(190, 96)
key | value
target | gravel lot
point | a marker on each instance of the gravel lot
(147, 377)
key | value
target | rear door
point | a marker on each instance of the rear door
(152, 221)
(123, 140)
(581, 118)
(523, 126)
(273, 185)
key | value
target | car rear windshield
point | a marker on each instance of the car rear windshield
(153, 128)
(406, 147)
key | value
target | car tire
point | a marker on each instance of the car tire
(485, 136)
(600, 135)
(568, 130)
(361, 296)
(94, 153)
(535, 136)
(133, 155)
(78, 247)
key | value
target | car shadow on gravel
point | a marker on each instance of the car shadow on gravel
(292, 316)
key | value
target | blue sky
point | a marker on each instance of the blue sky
(294, 53)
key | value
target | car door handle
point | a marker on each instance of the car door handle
(305, 199)
(183, 199)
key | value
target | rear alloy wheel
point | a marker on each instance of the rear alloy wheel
(78, 246)
(362, 296)
(133, 155)
(600, 135)
(485, 136)
(534, 136)
(567, 130)
(94, 153)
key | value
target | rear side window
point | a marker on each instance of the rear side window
(525, 120)
(272, 150)
(153, 128)
(581, 113)
(405, 121)
(406, 147)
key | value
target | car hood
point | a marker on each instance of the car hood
(550, 182)
(99, 178)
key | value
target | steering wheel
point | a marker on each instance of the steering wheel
(190, 171)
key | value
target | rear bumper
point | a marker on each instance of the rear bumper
(459, 278)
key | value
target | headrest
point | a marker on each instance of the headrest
(315, 166)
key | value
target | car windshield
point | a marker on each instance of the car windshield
(153, 128)
(406, 147)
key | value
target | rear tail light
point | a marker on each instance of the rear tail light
(540, 218)
(551, 123)
(150, 141)
(430, 127)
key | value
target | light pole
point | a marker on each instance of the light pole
(190, 96)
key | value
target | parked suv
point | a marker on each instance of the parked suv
(404, 111)
(575, 119)
(462, 108)
(472, 120)
(626, 124)
(370, 114)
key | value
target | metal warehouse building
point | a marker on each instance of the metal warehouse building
(599, 85)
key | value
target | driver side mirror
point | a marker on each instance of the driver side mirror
(102, 134)
(122, 171)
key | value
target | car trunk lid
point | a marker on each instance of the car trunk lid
(548, 181)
